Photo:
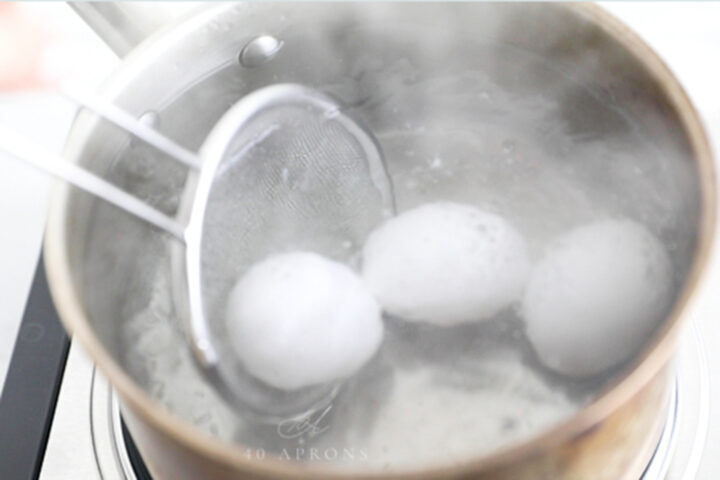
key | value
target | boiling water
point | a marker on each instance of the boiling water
(434, 395)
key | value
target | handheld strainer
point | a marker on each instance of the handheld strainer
(283, 157)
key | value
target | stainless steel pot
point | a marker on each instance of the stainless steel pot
(97, 258)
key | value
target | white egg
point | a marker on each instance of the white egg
(445, 263)
(298, 319)
(597, 296)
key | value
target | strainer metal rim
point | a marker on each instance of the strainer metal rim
(197, 193)
(186, 256)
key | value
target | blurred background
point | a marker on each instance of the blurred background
(42, 45)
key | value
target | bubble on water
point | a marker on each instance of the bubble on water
(331, 113)
(259, 50)
(436, 163)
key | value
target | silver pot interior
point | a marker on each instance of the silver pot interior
(530, 111)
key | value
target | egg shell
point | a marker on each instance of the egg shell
(445, 263)
(596, 296)
(299, 319)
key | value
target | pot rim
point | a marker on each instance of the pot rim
(636, 375)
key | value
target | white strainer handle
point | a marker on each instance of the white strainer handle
(130, 124)
(25, 150)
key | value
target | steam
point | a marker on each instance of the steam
(521, 110)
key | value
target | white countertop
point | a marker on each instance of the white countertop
(45, 117)
(686, 35)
